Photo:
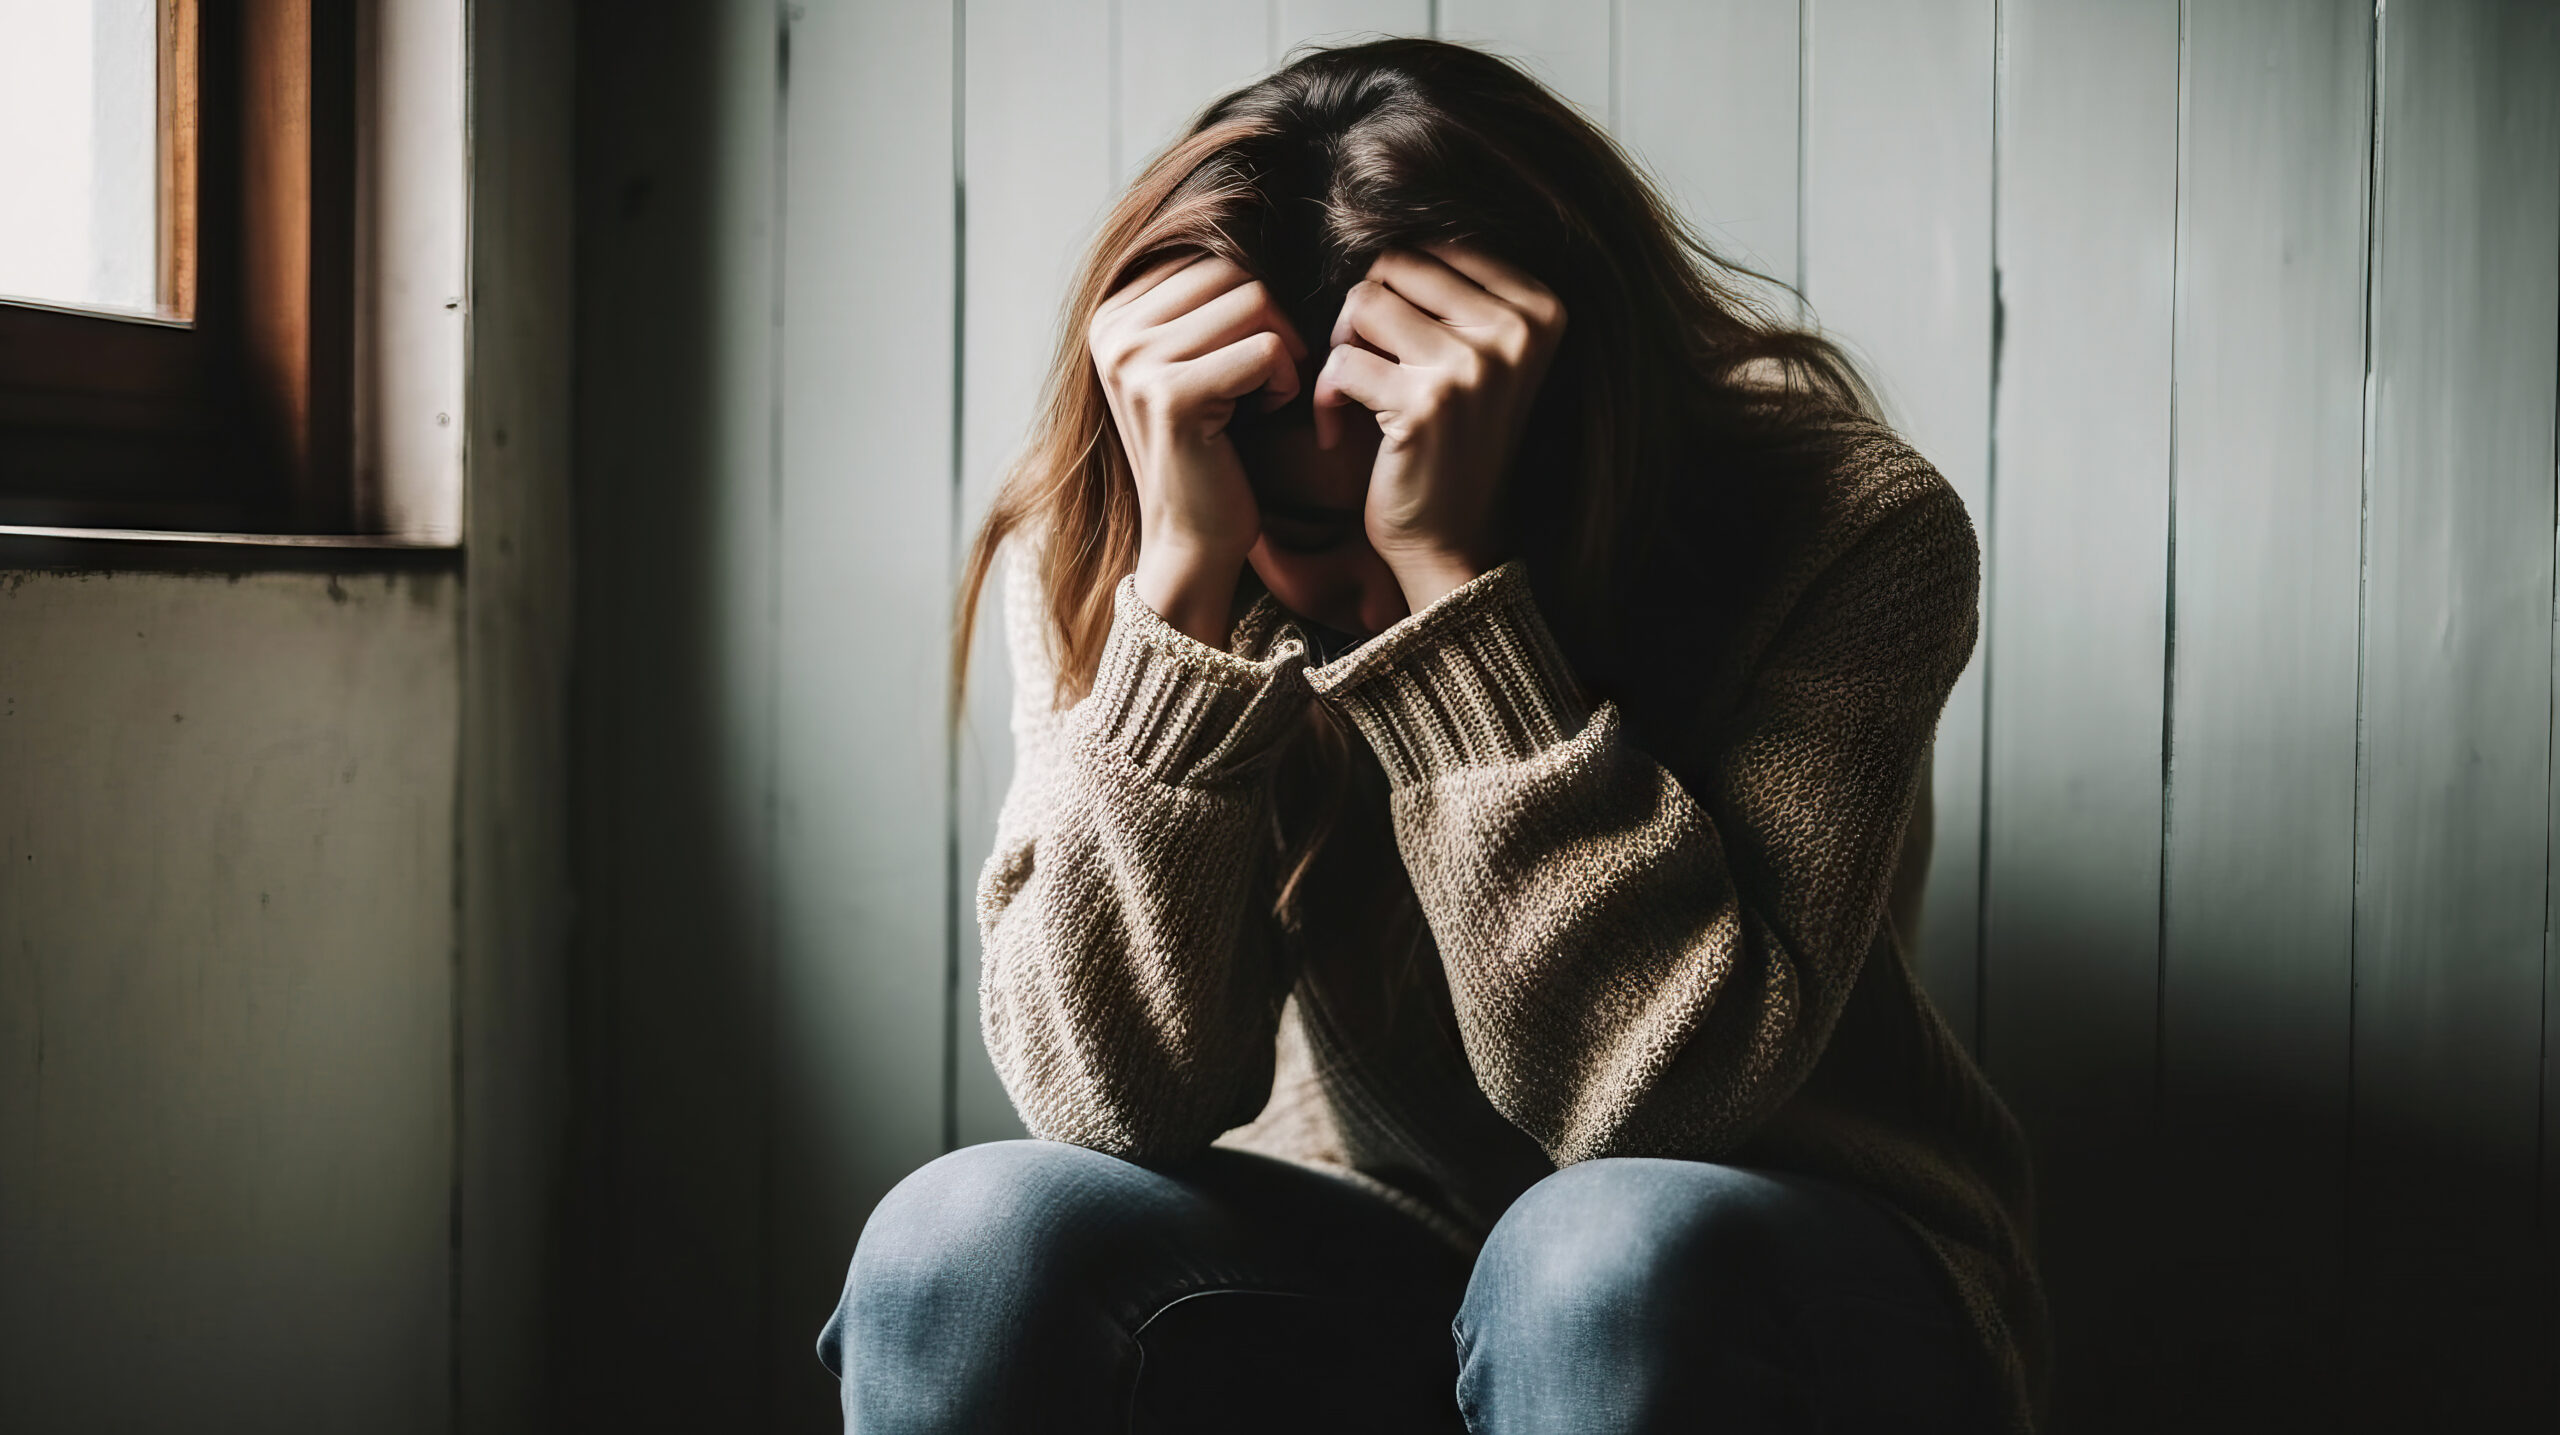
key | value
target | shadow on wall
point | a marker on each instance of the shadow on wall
(673, 721)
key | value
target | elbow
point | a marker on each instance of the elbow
(1699, 1102)
(1125, 1132)
(1135, 1111)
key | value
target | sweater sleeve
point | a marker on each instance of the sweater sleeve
(1129, 990)
(1643, 967)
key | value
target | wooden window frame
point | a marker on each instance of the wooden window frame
(238, 418)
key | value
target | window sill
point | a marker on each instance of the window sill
(26, 546)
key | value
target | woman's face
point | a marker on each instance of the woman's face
(1314, 552)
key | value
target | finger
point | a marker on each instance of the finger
(1206, 277)
(1147, 279)
(1336, 421)
(1507, 282)
(1380, 315)
(1437, 289)
(1356, 376)
(1259, 360)
(1223, 320)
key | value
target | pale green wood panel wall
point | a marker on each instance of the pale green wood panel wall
(862, 512)
(1568, 44)
(1170, 57)
(1897, 266)
(2450, 1307)
(1708, 98)
(670, 1245)
(519, 600)
(2076, 627)
(2260, 857)
(2246, 767)
(1342, 22)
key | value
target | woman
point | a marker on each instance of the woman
(1473, 672)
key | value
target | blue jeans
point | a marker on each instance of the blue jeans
(1028, 1285)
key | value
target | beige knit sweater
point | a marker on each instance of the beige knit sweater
(1615, 959)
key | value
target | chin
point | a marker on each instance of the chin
(1380, 618)
(1338, 591)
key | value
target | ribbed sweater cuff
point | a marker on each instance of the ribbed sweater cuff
(1182, 711)
(1472, 680)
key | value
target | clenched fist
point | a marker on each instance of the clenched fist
(1446, 346)
(1177, 349)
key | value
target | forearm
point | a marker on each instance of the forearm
(1630, 977)
(1130, 984)
(1616, 995)
(1127, 984)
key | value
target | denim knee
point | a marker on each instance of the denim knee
(1648, 1294)
(1600, 1247)
(975, 1239)
(1600, 1290)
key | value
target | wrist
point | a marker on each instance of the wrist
(1428, 575)
(1193, 592)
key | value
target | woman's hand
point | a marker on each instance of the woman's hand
(1446, 347)
(1177, 347)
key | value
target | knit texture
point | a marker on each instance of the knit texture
(1613, 959)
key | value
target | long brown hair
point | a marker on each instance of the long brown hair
(1673, 389)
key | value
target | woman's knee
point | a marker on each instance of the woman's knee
(974, 1265)
(993, 1215)
(1615, 1244)
(1604, 1288)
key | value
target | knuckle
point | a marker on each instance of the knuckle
(1152, 393)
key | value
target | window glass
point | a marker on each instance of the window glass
(80, 153)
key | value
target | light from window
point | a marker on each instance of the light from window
(83, 159)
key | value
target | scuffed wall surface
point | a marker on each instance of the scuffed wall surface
(226, 1002)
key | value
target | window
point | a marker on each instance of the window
(97, 131)
(231, 294)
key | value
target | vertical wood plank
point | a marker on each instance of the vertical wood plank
(1344, 22)
(2261, 804)
(1175, 56)
(864, 507)
(2451, 1318)
(2550, 1134)
(1708, 98)
(1565, 43)
(676, 587)
(1039, 173)
(2077, 613)
(514, 804)
(2549, 1414)
(1897, 245)
(413, 115)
